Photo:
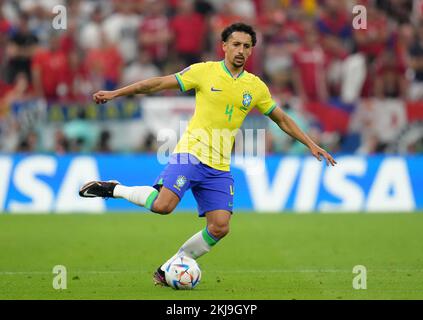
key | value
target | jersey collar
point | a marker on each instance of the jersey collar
(225, 68)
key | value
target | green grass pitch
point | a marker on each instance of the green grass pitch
(266, 256)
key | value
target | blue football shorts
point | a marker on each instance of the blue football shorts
(212, 189)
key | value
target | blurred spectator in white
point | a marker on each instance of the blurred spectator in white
(141, 69)
(246, 9)
(416, 64)
(155, 33)
(353, 76)
(20, 50)
(121, 28)
(41, 16)
(189, 32)
(104, 65)
(309, 74)
(90, 34)
(9, 11)
(379, 123)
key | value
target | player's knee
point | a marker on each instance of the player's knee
(218, 231)
(162, 207)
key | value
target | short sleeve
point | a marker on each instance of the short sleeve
(190, 77)
(265, 104)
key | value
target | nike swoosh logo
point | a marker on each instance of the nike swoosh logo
(90, 195)
(214, 89)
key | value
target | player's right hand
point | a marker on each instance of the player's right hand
(102, 96)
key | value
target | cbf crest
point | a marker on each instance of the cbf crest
(246, 100)
(180, 181)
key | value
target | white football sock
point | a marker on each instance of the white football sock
(140, 195)
(196, 246)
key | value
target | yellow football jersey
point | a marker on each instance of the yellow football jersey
(221, 104)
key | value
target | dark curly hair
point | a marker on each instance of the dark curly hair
(240, 27)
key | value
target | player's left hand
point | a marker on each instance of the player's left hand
(318, 153)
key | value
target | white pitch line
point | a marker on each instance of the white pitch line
(263, 271)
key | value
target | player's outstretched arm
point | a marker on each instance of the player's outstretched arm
(147, 86)
(290, 127)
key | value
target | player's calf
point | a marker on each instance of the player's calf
(165, 202)
(162, 207)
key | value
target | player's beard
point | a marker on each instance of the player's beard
(238, 63)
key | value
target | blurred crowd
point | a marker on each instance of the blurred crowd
(307, 52)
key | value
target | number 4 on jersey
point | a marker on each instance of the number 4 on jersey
(229, 110)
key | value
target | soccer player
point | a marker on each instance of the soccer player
(225, 94)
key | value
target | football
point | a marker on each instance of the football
(183, 273)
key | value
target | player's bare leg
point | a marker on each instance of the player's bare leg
(166, 201)
(201, 242)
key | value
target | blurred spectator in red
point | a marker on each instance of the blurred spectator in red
(390, 79)
(372, 41)
(154, 33)
(309, 74)
(334, 19)
(335, 29)
(81, 84)
(50, 71)
(104, 65)
(189, 32)
(5, 28)
(270, 20)
(20, 50)
(416, 64)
